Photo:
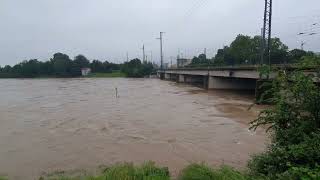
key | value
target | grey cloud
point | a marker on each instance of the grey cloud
(107, 29)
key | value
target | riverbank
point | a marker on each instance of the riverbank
(107, 75)
(149, 170)
(114, 74)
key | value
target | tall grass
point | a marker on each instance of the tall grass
(125, 171)
(149, 171)
(204, 172)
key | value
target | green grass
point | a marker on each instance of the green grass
(3, 178)
(107, 75)
(204, 172)
(149, 171)
(125, 171)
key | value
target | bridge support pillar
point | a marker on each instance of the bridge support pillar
(231, 83)
(161, 75)
(167, 76)
(205, 82)
(174, 77)
(181, 78)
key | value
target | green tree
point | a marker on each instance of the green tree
(46, 68)
(247, 50)
(279, 52)
(81, 61)
(78, 63)
(312, 61)
(61, 64)
(29, 68)
(199, 61)
(295, 55)
(242, 49)
(135, 68)
(294, 122)
(97, 66)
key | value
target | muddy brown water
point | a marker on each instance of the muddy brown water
(47, 125)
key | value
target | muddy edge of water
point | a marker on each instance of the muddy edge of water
(49, 125)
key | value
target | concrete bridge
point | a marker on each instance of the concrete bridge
(225, 78)
(216, 78)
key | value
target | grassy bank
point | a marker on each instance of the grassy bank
(149, 171)
(107, 75)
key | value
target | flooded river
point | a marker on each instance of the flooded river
(72, 124)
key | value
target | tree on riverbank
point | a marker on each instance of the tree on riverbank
(135, 68)
(60, 65)
(294, 122)
(246, 50)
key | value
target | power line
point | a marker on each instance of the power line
(196, 6)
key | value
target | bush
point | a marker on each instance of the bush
(148, 171)
(295, 125)
(126, 171)
(203, 172)
(136, 69)
(301, 173)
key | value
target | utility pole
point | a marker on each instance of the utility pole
(127, 57)
(266, 34)
(161, 50)
(143, 54)
(205, 51)
(262, 44)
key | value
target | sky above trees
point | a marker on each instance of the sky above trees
(107, 29)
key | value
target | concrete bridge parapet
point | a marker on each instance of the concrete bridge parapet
(215, 79)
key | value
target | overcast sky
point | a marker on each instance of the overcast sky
(107, 29)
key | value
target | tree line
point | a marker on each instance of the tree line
(60, 65)
(246, 50)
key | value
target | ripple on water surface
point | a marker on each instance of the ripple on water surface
(54, 124)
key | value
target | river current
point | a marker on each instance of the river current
(48, 125)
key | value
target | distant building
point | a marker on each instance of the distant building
(173, 66)
(85, 71)
(183, 62)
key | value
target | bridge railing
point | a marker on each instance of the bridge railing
(241, 67)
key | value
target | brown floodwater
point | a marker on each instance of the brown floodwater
(47, 125)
